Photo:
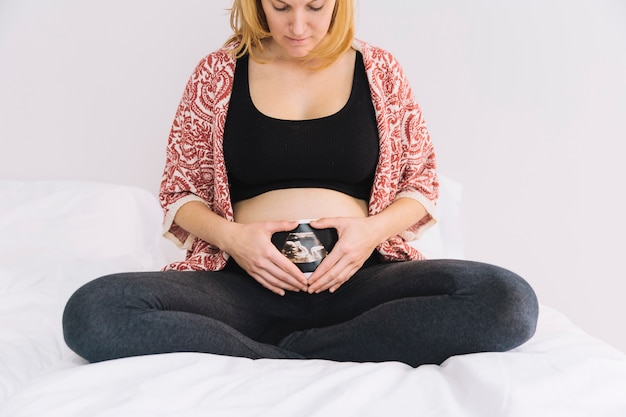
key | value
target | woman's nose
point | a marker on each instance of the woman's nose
(298, 23)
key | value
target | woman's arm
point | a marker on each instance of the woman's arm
(249, 244)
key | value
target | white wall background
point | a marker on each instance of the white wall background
(525, 101)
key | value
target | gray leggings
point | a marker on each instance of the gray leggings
(416, 312)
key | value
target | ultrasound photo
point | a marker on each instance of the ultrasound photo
(305, 246)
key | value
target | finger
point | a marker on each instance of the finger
(337, 270)
(277, 283)
(318, 223)
(283, 226)
(334, 284)
(274, 285)
(289, 272)
(325, 267)
(293, 281)
(334, 275)
(324, 223)
(266, 284)
(328, 283)
(347, 276)
(282, 273)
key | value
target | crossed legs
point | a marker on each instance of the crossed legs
(414, 312)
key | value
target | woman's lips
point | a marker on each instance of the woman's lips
(297, 41)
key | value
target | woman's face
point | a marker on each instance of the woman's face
(297, 26)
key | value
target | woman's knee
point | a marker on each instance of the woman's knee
(89, 313)
(515, 307)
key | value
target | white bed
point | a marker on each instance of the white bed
(54, 236)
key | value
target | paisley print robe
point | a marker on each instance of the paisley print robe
(195, 168)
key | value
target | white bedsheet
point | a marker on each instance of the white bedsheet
(54, 236)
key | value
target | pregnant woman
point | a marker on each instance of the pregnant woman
(293, 118)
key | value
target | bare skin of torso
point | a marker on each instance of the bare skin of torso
(284, 90)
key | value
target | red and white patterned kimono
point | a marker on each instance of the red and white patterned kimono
(195, 168)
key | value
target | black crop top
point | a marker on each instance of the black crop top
(338, 152)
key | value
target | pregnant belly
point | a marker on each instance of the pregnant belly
(297, 204)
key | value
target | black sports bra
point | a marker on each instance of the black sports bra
(337, 152)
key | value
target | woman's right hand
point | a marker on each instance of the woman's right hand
(251, 247)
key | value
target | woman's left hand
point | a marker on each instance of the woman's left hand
(356, 242)
(358, 237)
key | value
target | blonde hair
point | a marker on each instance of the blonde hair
(249, 26)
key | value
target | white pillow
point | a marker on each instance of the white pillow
(444, 239)
(70, 220)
